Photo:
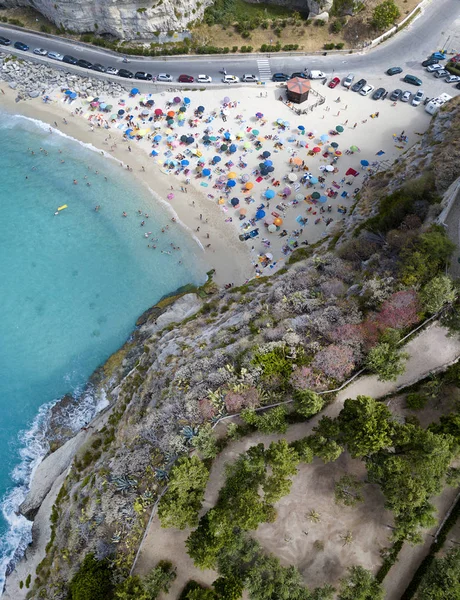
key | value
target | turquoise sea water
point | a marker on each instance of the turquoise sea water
(71, 286)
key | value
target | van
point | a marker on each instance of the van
(316, 75)
(412, 79)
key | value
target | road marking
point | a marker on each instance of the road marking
(265, 72)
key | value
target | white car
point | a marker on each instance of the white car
(348, 80)
(418, 97)
(204, 79)
(441, 73)
(112, 71)
(164, 77)
(453, 79)
(316, 75)
(230, 79)
(406, 96)
(40, 51)
(367, 89)
(433, 68)
(55, 55)
(249, 78)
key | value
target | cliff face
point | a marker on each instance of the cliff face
(126, 19)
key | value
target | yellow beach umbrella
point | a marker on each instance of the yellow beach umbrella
(221, 201)
(232, 175)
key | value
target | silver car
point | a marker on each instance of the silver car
(406, 96)
(348, 80)
(418, 97)
(112, 71)
(248, 78)
(164, 77)
(40, 51)
(55, 55)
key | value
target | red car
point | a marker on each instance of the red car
(334, 82)
(186, 79)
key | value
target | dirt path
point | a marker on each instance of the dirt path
(429, 351)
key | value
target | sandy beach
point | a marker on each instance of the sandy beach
(301, 194)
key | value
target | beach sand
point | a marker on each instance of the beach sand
(219, 225)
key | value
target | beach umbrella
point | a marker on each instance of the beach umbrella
(240, 134)
(354, 149)
(313, 180)
(176, 100)
(150, 102)
(316, 195)
(154, 153)
(365, 163)
(279, 121)
(128, 131)
(68, 92)
(170, 113)
(121, 112)
(329, 168)
(232, 148)
(231, 183)
(134, 91)
(157, 138)
(286, 124)
(186, 100)
(142, 132)
(247, 145)
(266, 153)
(255, 132)
(216, 159)
(181, 117)
(278, 222)
(260, 214)
(206, 172)
(338, 153)
(184, 162)
(301, 128)
(268, 163)
(324, 137)
(224, 147)
(183, 138)
(243, 211)
(296, 161)
(182, 109)
(145, 112)
(234, 202)
(292, 177)
(330, 149)
(323, 199)
(221, 201)
(200, 109)
(303, 143)
(259, 115)
(113, 117)
(287, 191)
(158, 111)
(227, 135)
(201, 160)
(231, 175)
(226, 100)
(272, 228)
(170, 196)
(299, 197)
(316, 149)
(269, 194)
(170, 138)
(334, 144)
(249, 185)
(339, 128)
(245, 178)
(190, 139)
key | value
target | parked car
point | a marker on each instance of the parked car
(316, 75)
(458, 86)
(394, 71)
(186, 79)
(164, 77)
(4, 41)
(71, 60)
(40, 51)
(230, 79)
(412, 79)
(125, 73)
(430, 61)
(395, 95)
(143, 75)
(55, 56)
(366, 90)
(452, 79)
(280, 77)
(406, 96)
(439, 55)
(85, 64)
(434, 67)
(301, 74)
(248, 78)
(21, 46)
(348, 80)
(441, 73)
(378, 93)
(204, 79)
(358, 86)
(418, 97)
(99, 68)
(112, 71)
(334, 83)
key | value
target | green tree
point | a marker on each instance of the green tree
(347, 490)
(386, 359)
(202, 594)
(385, 15)
(271, 421)
(365, 426)
(283, 461)
(160, 579)
(307, 403)
(268, 580)
(205, 442)
(180, 505)
(360, 584)
(228, 588)
(437, 292)
(326, 449)
(303, 450)
(132, 588)
(92, 581)
(442, 579)
(429, 255)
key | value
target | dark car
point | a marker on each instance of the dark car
(394, 71)
(412, 79)
(84, 63)
(378, 93)
(301, 74)
(280, 77)
(430, 61)
(21, 46)
(396, 95)
(99, 68)
(125, 73)
(4, 41)
(70, 60)
(186, 79)
(143, 75)
(358, 86)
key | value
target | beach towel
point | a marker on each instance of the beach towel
(275, 214)
(204, 184)
(344, 194)
(259, 179)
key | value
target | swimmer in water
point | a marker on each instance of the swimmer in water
(75, 182)
(142, 223)
(97, 207)
(124, 214)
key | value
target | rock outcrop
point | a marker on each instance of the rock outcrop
(125, 19)
(311, 8)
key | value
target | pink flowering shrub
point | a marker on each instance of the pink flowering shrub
(400, 310)
(236, 401)
(349, 334)
(335, 361)
(207, 410)
(306, 378)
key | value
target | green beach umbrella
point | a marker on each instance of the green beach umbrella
(339, 128)
(316, 195)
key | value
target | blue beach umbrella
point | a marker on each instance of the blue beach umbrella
(234, 201)
(170, 138)
(158, 138)
(231, 183)
(200, 109)
(268, 163)
(206, 172)
(324, 137)
(190, 139)
(300, 127)
(154, 153)
(314, 180)
(184, 162)
(260, 214)
(182, 109)
(121, 112)
(232, 148)
(323, 199)
(134, 91)
(266, 154)
(269, 194)
(227, 135)
(186, 100)
(216, 159)
(365, 163)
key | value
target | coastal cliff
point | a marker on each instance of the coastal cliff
(199, 356)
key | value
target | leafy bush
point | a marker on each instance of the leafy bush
(438, 292)
(160, 579)
(385, 15)
(329, 46)
(428, 256)
(336, 26)
(416, 401)
(271, 421)
(386, 359)
(92, 581)
(307, 403)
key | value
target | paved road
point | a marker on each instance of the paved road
(438, 27)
